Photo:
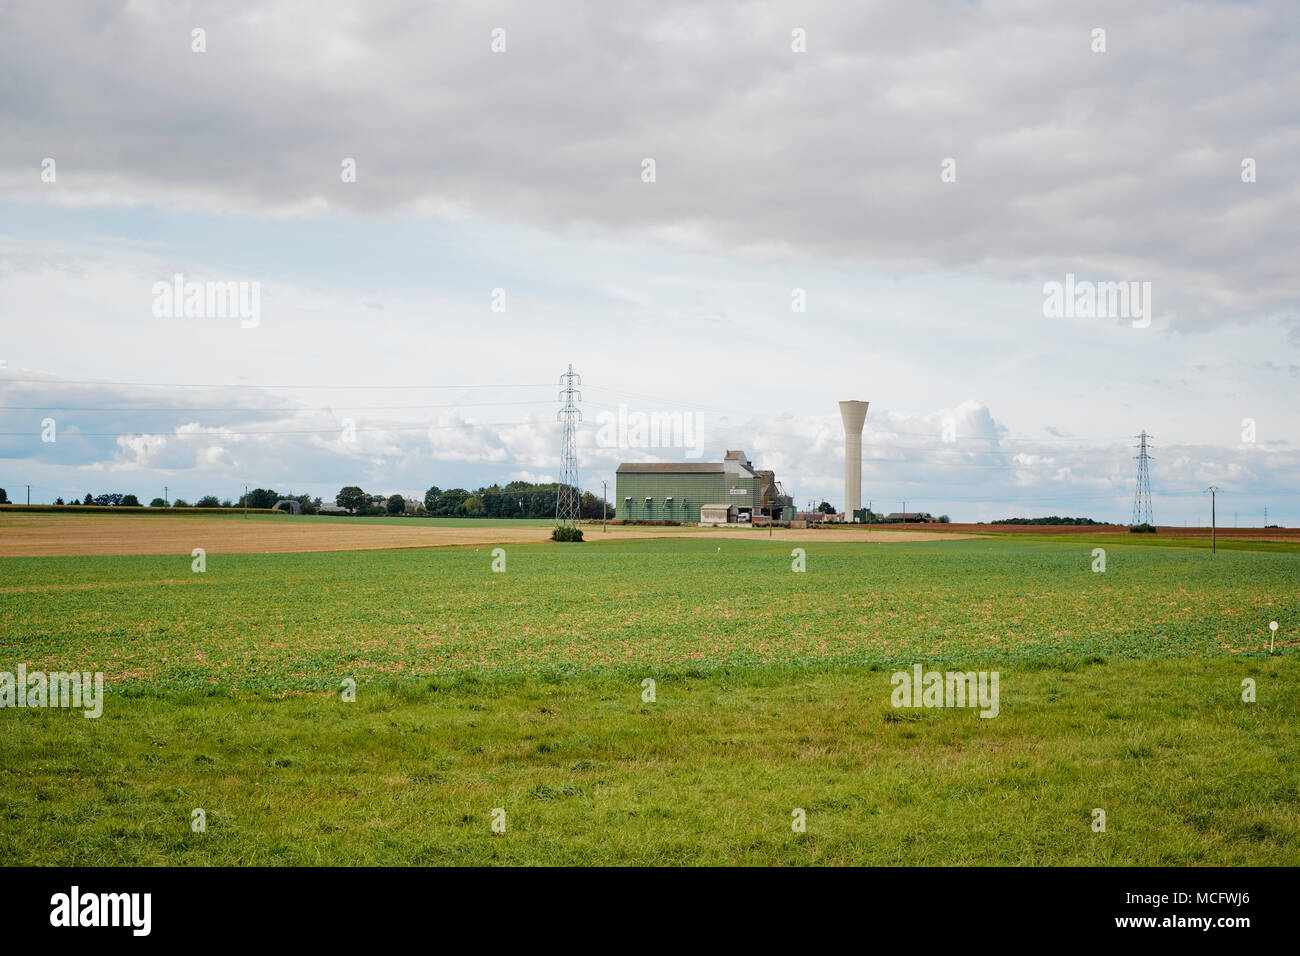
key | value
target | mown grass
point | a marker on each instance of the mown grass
(708, 773)
(522, 690)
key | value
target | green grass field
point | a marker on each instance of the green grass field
(523, 690)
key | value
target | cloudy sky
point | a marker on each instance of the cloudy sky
(845, 200)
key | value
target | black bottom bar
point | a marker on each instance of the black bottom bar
(920, 906)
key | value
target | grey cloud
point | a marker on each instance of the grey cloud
(1122, 165)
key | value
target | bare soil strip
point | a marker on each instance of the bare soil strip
(45, 535)
(1163, 531)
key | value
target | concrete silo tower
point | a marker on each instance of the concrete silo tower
(853, 414)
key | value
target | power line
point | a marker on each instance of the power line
(872, 429)
(269, 408)
(642, 397)
(43, 381)
(218, 432)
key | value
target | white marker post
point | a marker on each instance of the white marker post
(1272, 629)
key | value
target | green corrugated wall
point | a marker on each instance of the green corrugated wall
(690, 492)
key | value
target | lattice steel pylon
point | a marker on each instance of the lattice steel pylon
(568, 499)
(1142, 494)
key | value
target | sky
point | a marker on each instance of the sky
(737, 213)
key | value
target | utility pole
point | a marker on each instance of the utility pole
(29, 496)
(245, 501)
(604, 504)
(1213, 490)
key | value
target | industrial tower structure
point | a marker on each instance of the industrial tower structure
(568, 499)
(852, 414)
(1142, 494)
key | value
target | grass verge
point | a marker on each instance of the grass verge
(708, 773)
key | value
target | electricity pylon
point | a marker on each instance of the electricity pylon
(568, 499)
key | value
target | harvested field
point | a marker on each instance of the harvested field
(29, 535)
(46, 535)
(1163, 531)
(803, 535)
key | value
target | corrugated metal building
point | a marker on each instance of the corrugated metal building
(679, 490)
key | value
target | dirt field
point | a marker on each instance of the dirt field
(1163, 531)
(37, 535)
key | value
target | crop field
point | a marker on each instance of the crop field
(524, 689)
(24, 534)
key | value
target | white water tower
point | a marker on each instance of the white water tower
(853, 414)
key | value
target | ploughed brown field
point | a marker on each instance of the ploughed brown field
(43, 535)
(1164, 531)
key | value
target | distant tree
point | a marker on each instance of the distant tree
(208, 501)
(180, 503)
(88, 500)
(589, 505)
(942, 519)
(57, 501)
(826, 508)
(262, 498)
(352, 498)
(157, 503)
(227, 504)
(130, 501)
(396, 504)
(1050, 519)
(517, 499)
(4, 498)
(452, 502)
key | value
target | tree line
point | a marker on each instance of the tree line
(1051, 519)
(518, 499)
(257, 498)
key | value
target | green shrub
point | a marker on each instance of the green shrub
(565, 532)
(1143, 528)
